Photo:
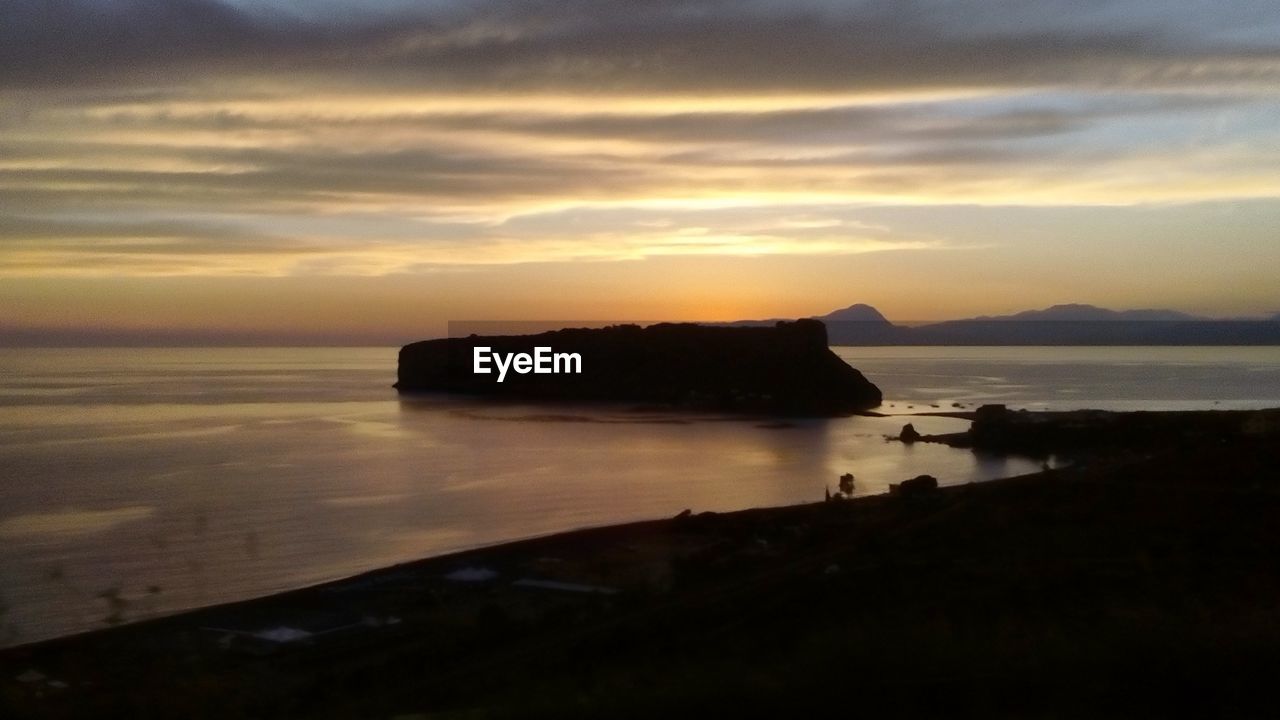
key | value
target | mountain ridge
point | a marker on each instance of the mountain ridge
(1062, 324)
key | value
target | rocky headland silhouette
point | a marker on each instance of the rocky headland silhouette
(783, 369)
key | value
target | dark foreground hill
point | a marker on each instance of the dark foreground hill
(784, 369)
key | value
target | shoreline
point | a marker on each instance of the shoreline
(1116, 546)
(413, 564)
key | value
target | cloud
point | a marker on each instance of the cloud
(104, 249)
(689, 45)
(169, 137)
(85, 41)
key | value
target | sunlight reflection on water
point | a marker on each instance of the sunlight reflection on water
(189, 477)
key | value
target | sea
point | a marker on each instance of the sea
(141, 482)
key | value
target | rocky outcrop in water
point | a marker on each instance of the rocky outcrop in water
(786, 369)
(909, 434)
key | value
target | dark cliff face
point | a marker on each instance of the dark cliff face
(784, 370)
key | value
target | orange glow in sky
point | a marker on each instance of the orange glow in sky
(371, 179)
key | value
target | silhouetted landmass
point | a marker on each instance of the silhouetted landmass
(857, 312)
(1135, 583)
(864, 322)
(784, 369)
(995, 428)
(1057, 325)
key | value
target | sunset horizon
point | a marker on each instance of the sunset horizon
(273, 167)
(355, 333)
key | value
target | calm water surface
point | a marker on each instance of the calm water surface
(185, 477)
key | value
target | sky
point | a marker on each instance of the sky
(366, 171)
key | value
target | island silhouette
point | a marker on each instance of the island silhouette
(783, 369)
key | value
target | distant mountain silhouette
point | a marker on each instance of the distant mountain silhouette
(861, 324)
(854, 313)
(1090, 313)
(1068, 324)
